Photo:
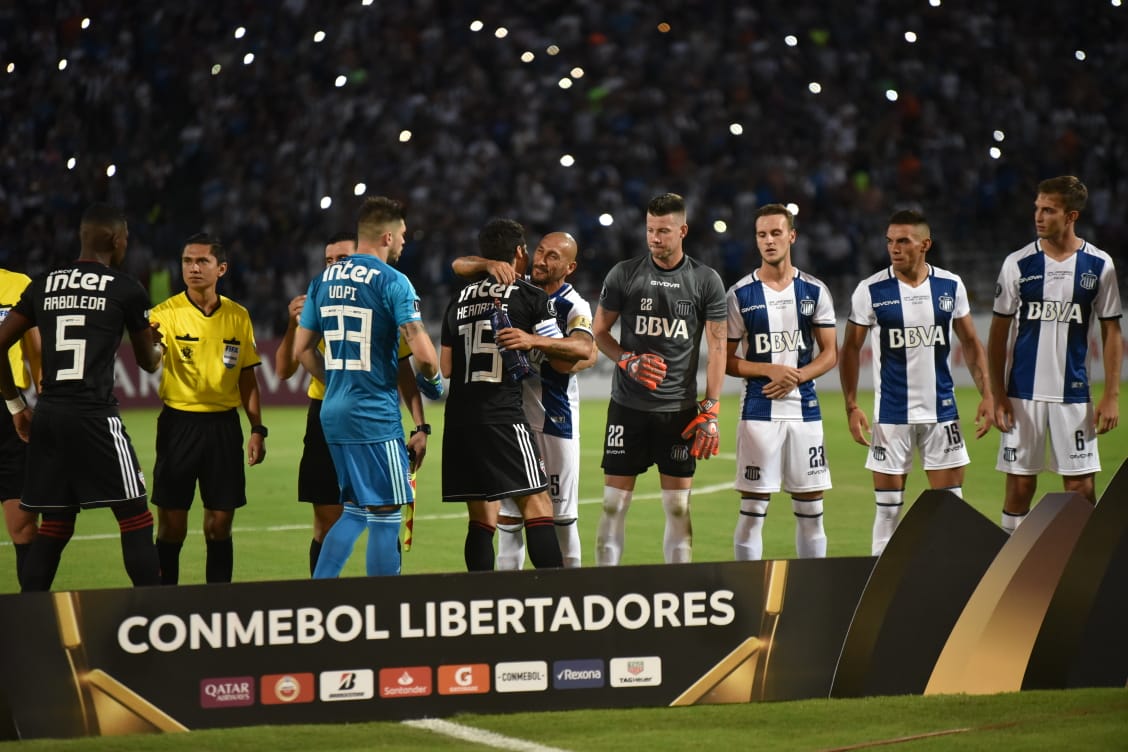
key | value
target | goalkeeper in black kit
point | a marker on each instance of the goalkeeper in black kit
(663, 302)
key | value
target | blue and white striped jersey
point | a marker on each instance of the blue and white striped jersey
(1053, 303)
(778, 327)
(912, 343)
(552, 399)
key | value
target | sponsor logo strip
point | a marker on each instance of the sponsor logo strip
(521, 676)
(286, 689)
(636, 672)
(349, 684)
(405, 681)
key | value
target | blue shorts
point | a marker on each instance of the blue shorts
(373, 475)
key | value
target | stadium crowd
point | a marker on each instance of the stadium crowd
(257, 121)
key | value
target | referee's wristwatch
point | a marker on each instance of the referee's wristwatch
(424, 428)
(260, 430)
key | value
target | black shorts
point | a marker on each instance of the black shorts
(79, 459)
(317, 477)
(13, 461)
(637, 439)
(207, 447)
(486, 462)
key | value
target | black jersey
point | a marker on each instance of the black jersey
(81, 311)
(480, 392)
(663, 311)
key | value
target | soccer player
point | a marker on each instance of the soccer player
(24, 362)
(488, 449)
(317, 478)
(551, 398)
(209, 371)
(913, 308)
(779, 315)
(81, 456)
(1048, 293)
(665, 301)
(361, 306)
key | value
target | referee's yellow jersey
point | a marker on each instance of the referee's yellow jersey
(205, 354)
(12, 285)
(317, 388)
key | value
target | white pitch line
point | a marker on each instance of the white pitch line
(703, 491)
(479, 736)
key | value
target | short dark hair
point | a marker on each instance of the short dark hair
(341, 237)
(103, 215)
(203, 238)
(770, 210)
(499, 239)
(667, 203)
(1073, 192)
(376, 213)
(908, 217)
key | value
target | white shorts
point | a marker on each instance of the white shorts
(562, 464)
(891, 447)
(775, 454)
(1072, 433)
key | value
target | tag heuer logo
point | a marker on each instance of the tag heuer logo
(879, 453)
(947, 303)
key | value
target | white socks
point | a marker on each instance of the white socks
(510, 545)
(748, 538)
(677, 542)
(888, 513)
(810, 538)
(568, 536)
(612, 526)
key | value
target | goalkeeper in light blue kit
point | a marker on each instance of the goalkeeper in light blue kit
(664, 302)
(360, 306)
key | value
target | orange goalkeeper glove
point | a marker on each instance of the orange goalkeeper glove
(647, 369)
(704, 430)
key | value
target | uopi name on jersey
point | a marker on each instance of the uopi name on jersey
(778, 342)
(1053, 310)
(657, 326)
(347, 271)
(486, 289)
(916, 336)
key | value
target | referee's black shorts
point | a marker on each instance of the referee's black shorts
(79, 459)
(637, 439)
(204, 447)
(486, 462)
(317, 477)
(13, 461)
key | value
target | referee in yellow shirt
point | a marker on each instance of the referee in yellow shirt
(209, 369)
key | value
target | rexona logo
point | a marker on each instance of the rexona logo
(353, 684)
(581, 674)
(229, 692)
(406, 681)
(469, 679)
(521, 676)
(286, 689)
(636, 672)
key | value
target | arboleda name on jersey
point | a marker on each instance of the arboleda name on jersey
(1053, 310)
(916, 336)
(774, 342)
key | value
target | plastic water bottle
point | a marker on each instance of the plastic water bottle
(515, 361)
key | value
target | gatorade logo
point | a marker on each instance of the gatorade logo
(464, 679)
